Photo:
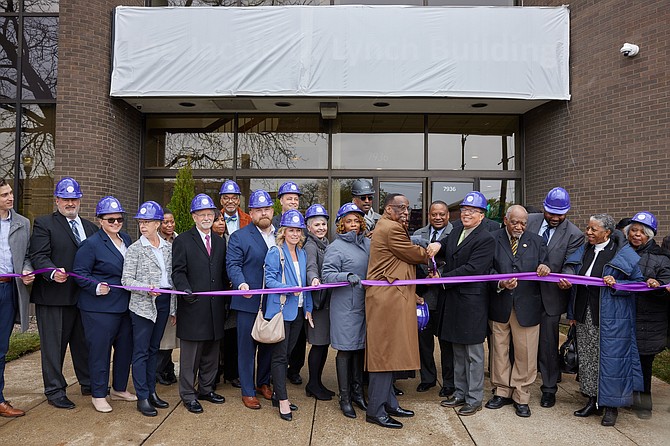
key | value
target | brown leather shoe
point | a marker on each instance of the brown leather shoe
(6, 410)
(251, 402)
(265, 390)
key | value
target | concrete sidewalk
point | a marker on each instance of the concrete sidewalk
(316, 422)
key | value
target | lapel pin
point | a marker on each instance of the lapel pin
(524, 245)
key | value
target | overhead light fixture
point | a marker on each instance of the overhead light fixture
(187, 104)
(328, 110)
(283, 104)
(381, 104)
(479, 105)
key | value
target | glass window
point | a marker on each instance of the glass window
(40, 5)
(9, 5)
(282, 142)
(472, 142)
(204, 141)
(451, 192)
(313, 190)
(40, 45)
(378, 142)
(38, 129)
(414, 193)
(500, 195)
(8, 57)
(7, 140)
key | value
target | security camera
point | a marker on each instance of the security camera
(629, 49)
(138, 106)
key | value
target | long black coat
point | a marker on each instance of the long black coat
(652, 306)
(463, 308)
(193, 269)
(52, 245)
(531, 252)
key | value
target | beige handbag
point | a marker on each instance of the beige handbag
(272, 331)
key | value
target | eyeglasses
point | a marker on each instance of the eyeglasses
(470, 211)
(366, 197)
(400, 207)
(113, 220)
(204, 215)
(145, 222)
(232, 198)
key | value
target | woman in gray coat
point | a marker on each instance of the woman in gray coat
(148, 264)
(318, 336)
(346, 260)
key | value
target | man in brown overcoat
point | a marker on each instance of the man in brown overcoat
(392, 342)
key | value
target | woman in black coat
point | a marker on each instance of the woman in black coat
(651, 306)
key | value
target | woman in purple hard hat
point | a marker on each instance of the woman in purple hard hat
(104, 309)
(651, 319)
(346, 260)
(148, 264)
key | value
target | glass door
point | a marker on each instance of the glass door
(414, 191)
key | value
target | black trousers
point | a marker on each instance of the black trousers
(547, 355)
(297, 357)
(198, 362)
(647, 361)
(281, 351)
(426, 353)
(380, 394)
(59, 326)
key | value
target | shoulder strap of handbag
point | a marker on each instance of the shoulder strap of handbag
(282, 297)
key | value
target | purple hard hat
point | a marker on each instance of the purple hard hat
(149, 210)
(475, 199)
(288, 188)
(230, 187)
(108, 205)
(422, 315)
(557, 201)
(316, 210)
(646, 218)
(348, 208)
(259, 199)
(292, 219)
(200, 202)
(68, 188)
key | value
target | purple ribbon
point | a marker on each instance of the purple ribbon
(553, 277)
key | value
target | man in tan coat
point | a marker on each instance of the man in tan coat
(392, 342)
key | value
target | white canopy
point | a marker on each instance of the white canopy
(342, 51)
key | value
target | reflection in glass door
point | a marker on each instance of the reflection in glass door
(414, 193)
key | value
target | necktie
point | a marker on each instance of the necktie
(229, 219)
(461, 238)
(208, 245)
(434, 237)
(77, 238)
(514, 243)
(545, 234)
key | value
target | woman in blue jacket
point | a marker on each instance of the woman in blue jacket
(609, 365)
(286, 266)
(104, 310)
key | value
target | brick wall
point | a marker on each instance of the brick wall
(97, 139)
(608, 145)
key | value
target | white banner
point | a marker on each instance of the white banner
(355, 51)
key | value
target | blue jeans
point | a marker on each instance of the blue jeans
(7, 312)
(146, 341)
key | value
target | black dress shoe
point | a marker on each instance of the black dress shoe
(236, 383)
(609, 419)
(452, 401)
(425, 387)
(275, 403)
(85, 390)
(384, 422)
(445, 392)
(317, 392)
(548, 399)
(590, 409)
(157, 402)
(193, 406)
(295, 379)
(146, 409)
(399, 412)
(212, 398)
(522, 410)
(469, 409)
(397, 391)
(62, 402)
(497, 402)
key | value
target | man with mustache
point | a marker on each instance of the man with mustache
(54, 243)
(247, 248)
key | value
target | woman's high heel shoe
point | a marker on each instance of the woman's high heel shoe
(286, 416)
(275, 403)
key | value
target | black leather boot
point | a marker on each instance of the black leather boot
(357, 395)
(609, 419)
(342, 363)
(146, 408)
(590, 408)
(157, 402)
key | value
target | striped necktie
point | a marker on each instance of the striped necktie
(75, 231)
(545, 234)
(514, 243)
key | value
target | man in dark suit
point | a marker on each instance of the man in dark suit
(562, 239)
(199, 264)
(515, 309)
(54, 244)
(437, 229)
(463, 308)
(247, 248)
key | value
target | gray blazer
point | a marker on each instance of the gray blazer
(141, 269)
(430, 294)
(19, 238)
